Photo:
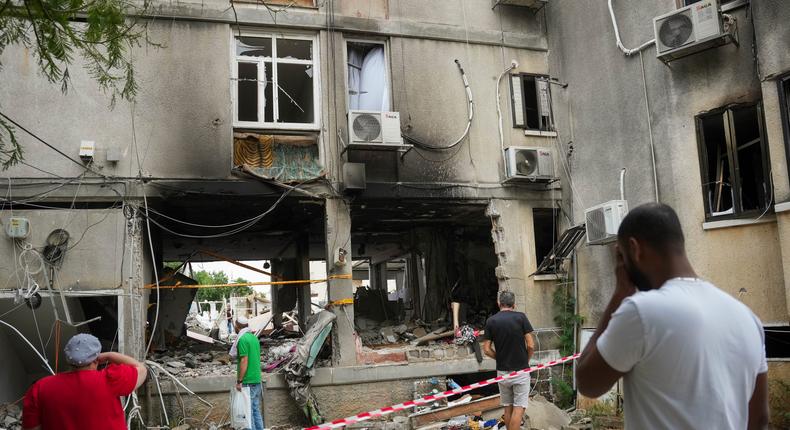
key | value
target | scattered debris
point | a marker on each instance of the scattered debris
(545, 415)
(10, 417)
(300, 370)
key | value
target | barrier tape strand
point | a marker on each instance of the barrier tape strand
(433, 397)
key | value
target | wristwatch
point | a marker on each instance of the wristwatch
(239, 382)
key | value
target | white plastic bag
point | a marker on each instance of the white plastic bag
(240, 408)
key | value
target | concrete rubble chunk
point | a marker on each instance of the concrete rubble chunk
(176, 364)
(182, 427)
(224, 358)
(545, 415)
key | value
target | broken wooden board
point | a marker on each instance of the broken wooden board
(434, 336)
(444, 414)
(199, 337)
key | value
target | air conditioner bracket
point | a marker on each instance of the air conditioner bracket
(403, 149)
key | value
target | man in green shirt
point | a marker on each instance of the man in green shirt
(248, 370)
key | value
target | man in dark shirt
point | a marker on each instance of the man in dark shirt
(512, 349)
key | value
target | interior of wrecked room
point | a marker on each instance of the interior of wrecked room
(412, 261)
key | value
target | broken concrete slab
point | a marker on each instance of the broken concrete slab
(545, 415)
(176, 364)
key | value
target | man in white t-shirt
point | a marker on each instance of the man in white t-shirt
(690, 355)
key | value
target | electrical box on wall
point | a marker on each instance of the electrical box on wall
(87, 150)
(17, 228)
(354, 177)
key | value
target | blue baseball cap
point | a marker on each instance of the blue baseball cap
(82, 349)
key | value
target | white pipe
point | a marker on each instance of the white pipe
(622, 183)
(626, 51)
(31, 346)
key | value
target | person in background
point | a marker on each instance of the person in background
(85, 398)
(691, 356)
(247, 348)
(229, 318)
(513, 346)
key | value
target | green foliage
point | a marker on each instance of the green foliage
(601, 409)
(220, 293)
(97, 33)
(564, 394)
(566, 318)
(780, 403)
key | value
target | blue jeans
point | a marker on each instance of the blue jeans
(256, 397)
(230, 328)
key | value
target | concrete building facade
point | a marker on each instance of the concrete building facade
(239, 143)
(207, 142)
(638, 113)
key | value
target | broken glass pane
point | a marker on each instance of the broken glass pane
(295, 93)
(295, 49)
(750, 158)
(254, 46)
(531, 106)
(268, 109)
(248, 92)
(718, 184)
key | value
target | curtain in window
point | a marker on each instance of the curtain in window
(373, 78)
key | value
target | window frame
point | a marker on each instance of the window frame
(388, 73)
(549, 126)
(272, 62)
(724, 5)
(732, 159)
(554, 214)
(783, 86)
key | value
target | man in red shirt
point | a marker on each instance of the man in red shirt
(85, 398)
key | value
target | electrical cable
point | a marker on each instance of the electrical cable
(44, 360)
(156, 275)
(50, 146)
(245, 221)
(430, 147)
(227, 233)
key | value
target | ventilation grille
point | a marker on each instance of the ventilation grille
(367, 128)
(596, 225)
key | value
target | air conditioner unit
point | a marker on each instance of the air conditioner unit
(374, 127)
(604, 220)
(691, 29)
(534, 164)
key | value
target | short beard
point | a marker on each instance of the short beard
(637, 277)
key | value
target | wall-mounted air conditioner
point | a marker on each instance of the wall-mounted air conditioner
(691, 29)
(373, 127)
(534, 164)
(604, 220)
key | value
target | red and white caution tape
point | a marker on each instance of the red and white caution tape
(433, 397)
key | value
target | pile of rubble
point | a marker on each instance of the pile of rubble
(373, 333)
(192, 359)
(10, 417)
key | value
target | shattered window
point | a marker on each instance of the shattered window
(367, 82)
(545, 229)
(784, 104)
(531, 102)
(733, 150)
(275, 82)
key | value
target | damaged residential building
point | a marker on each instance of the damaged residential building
(395, 163)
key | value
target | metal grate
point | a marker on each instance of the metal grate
(596, 225)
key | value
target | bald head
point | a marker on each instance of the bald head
(655, 225)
